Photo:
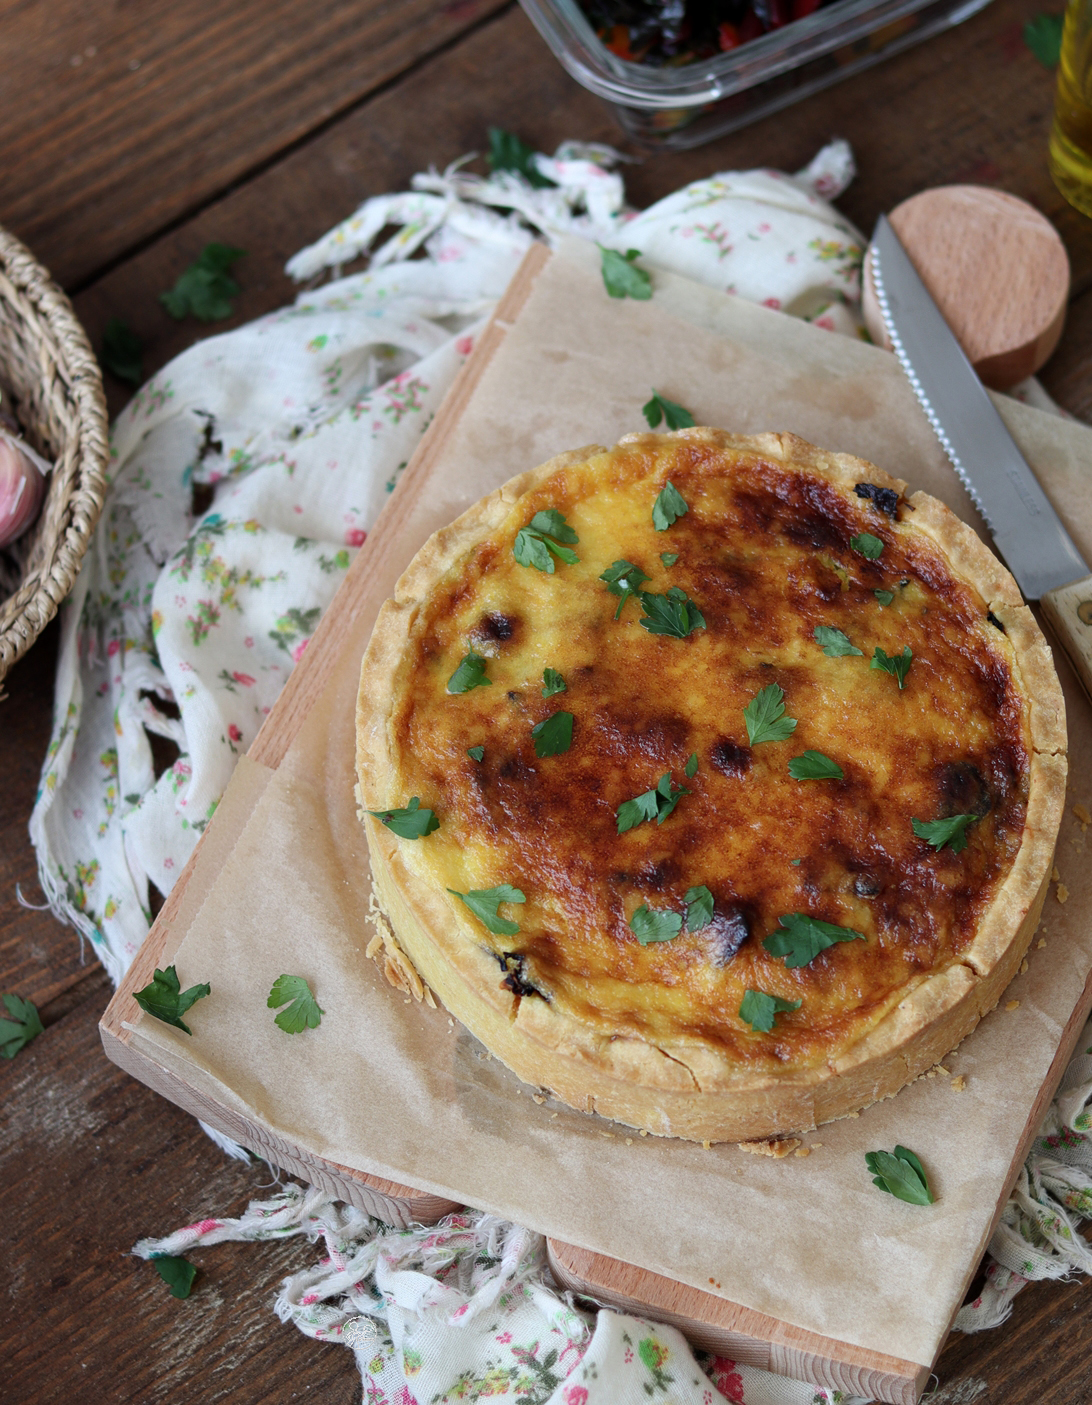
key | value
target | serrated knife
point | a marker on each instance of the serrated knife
(1026, 530)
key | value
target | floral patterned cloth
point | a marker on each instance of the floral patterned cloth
(465, 1310)
(185, 623)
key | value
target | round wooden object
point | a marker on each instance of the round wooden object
(997, 270)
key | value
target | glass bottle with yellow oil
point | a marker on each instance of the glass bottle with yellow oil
(1071, 135)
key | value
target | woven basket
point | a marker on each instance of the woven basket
(53, 386)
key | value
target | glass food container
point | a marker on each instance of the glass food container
(676, 106)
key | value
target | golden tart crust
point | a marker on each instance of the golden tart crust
(651, 1034)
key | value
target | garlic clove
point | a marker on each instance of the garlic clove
(22, 488)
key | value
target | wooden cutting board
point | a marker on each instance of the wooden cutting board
(870, 398)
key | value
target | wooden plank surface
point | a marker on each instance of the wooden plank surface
(120, 119)
(116, 1162)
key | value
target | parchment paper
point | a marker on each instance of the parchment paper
(393, 1088)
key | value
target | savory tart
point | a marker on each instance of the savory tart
(710, 781)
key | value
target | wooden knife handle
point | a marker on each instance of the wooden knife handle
(1068, 611)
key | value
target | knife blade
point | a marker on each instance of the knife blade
(1028, 533)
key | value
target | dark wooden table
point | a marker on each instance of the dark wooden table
(132, 135)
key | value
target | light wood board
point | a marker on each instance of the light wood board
(770, 1341)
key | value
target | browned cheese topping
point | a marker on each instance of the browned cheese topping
(764, 554)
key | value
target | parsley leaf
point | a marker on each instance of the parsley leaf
(805, 937)
(554, 734)
(475, 752)
(178, 1273)
(624, 579)
(651, 804)
(758, 1009)
(691, 767)
(409, 823)
(669, 558)
(952, 831)
(814, 766)
(885, 597)
(669, 506)
(901, 1175)
(164, 1000)
(122, 352)
(552, 682)
(672, 414)
(469, 674)
(674, 613)
(699, 908)
(303, 1012)
(23, 1026)
(205, 289)
(764, 717)
(867, 545)
(508, 153)
(485, 902)
(541, 539)
(621, 276)
(898, 667)
(649, 925)
(1043, 36)
(833, 642)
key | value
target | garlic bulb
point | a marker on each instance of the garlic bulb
(22, 488)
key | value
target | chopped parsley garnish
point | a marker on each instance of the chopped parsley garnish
(672, 414)
(409, 823)
(541, 540)
(469, 674)
(475, 752)
(699, 908)
(164, 999)
(765, 719)
(898, 667)
(803, 938)
(624, 579)
(885, 597)
(758, 1009)
(205, 289)
(303, 1010)
(669, 558)
(691, 767)
(952, 831)
(651, 804)
(484, 903)
(621, 276)
(508, 153)
(901, 1175)
(669, 506)
(178, 1273)
(674, 613)
(649, 925)
(814, 766)
(552, 682)
(553, 735)
(21, 1027)
(833, 642)
(867, 545)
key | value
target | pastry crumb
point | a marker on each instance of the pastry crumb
(941, 1069)
(853, 1114)
(771, 1146)
(707, 1145)
(629, 1141)
(537, 1098)
(959, 1083)
(1061, 892)
(553, 1115)
(643, 1133)
(930, 1073)
(816, 1146)
(802, 1151)
(1023, 965)
(1040, 944)
(1055, 876)
(1012, 1005)
(1082, 815)
(373, 946)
